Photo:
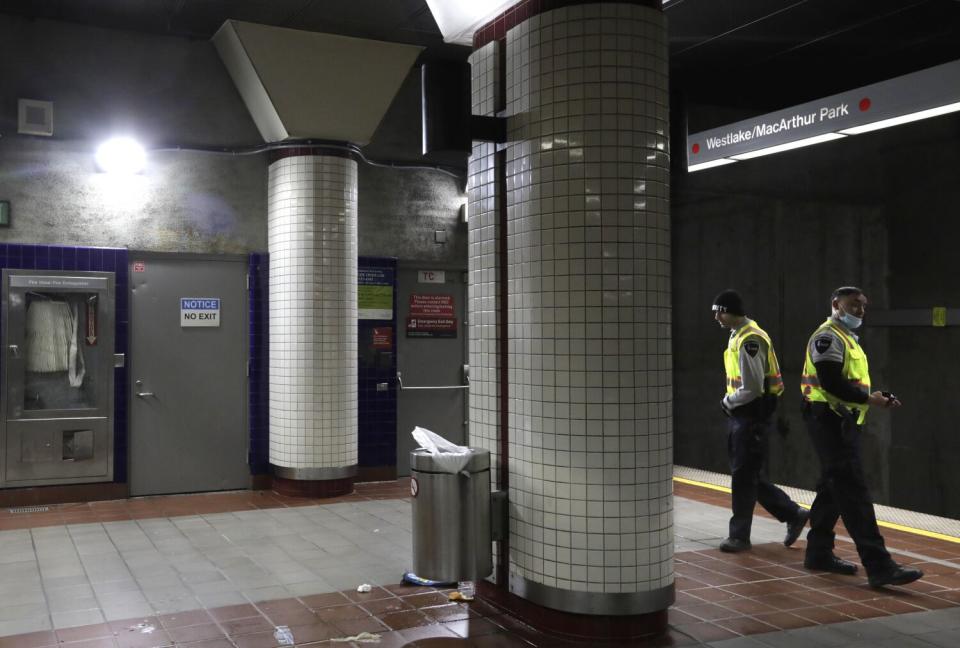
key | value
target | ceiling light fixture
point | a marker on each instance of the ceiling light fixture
(121, 156)
(709, 165)
(459, 19)
(902, 119)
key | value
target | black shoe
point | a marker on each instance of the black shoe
(796, 527)
(894, 574)
(734, 545)
(830, 564)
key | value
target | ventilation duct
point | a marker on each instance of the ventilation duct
(308, 85)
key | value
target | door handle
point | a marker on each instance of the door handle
(14, 351)
(143, 394)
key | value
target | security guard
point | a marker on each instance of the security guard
(753, 388)
(836, 396)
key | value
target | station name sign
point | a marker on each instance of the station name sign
(846, 113)
(783, 125)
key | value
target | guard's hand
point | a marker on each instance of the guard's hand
(883, 399)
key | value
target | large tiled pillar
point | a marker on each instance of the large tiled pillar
(484, 267)
(312, 240)
(587, 335)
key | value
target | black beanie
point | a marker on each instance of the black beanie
(729, 301)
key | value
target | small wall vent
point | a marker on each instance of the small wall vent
(30, 509)
(34, 117)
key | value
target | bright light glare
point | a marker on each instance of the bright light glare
(709, 165)
(902, 119)
(121, 155)
(789, 146)
(459, 19)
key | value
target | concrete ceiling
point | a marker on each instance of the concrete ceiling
(752, 55)
(759, 55)
(401, 20)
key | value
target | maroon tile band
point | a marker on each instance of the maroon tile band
(320, 149)
(497, 28)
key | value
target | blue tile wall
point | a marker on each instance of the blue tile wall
(115, 260)
(259, 382)
(377, 415)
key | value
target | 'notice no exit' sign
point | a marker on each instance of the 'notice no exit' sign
(199, 311)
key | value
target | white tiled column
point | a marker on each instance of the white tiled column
(590, 437)
(483, 266)
(312, 240)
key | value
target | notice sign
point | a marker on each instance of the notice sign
(375, 293)
(431, 305)
(199, 311)
(383, 337)
(433, 327)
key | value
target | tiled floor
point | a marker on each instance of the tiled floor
(722, 597)
(226, 570)
(177, 505)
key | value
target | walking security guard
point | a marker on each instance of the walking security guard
(753, 388)
(836, 395)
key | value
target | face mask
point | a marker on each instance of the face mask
(850, 321)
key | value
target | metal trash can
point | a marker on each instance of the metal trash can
(451, 518)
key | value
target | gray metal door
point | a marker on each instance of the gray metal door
(188, 401)
(431, 368)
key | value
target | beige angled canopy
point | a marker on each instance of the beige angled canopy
(308, 85)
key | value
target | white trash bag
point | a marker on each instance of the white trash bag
(449, 457)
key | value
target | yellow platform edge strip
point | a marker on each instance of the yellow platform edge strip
(722, 489)
(888, 525)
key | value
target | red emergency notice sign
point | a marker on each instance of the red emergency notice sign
(424, 305)
(440, 327)
(383, 337)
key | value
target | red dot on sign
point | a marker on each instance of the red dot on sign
(696, 148)
(865, 104)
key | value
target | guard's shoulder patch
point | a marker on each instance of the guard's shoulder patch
(822, 343)
(751, 347)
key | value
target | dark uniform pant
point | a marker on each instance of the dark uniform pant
(842, 490)
(745, 445)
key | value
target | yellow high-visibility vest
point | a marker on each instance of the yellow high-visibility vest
(772, 380)
(855, 369)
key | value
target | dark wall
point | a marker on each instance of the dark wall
(871, 210)
(925, 272)
(163, 91)
(173, 92)
(401, 209)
